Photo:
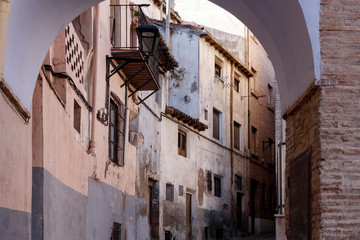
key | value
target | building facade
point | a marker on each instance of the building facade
(111, 156)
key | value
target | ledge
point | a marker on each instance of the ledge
(183, 117)
(14, 101)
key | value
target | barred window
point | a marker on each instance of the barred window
(217, 186)
(117, 132)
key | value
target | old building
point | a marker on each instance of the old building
(312, 45)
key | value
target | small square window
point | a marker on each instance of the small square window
(169, 192)
(168, 235)
(237, 83)
(116, 231)
(238, 183)
(217, 70)
(181, 191)
(218, 67)
(217, 186)
(182, 143)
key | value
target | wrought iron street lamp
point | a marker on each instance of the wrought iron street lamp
(148, 36)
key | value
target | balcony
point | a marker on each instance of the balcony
(141, 70)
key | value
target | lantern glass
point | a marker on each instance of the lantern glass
(148, 36)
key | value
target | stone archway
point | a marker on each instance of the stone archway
(290, 39)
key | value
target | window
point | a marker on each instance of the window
(237, 136)
(217, 69)
(116, 231)
(181, 191)
(209, 180)
(182, 143)
(270, 96)
(117, 132)
(206, 114)
(168, 235)
(217, 186)
(253, 140)
(77, 116)
(169, 192)
(216, 124)
(238, 183)
(237, 83)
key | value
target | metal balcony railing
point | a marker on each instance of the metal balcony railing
(124, 19)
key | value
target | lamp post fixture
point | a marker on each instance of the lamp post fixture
(148, 36)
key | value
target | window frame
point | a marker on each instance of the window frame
(218, 67)
(217, 131)
(217, 188)
(169, 196)
(182, 143)
(239, 137)
(117, 124)
(236, 83)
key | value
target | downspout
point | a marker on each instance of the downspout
(167, 31)
(92, 143)
(161, 10)
(4, 22)
(247, 58)
(126, 133)
(232, 137)
(168, 22)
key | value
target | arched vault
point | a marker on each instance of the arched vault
(288, 30)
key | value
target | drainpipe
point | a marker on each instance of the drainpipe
(95, 78)
(168, 22)
(4, 22)
(161, 10)
(126, 133)
(167, 31)
(232, 136)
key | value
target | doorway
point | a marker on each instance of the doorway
(254, 185)
(188, 216)
(239, 197)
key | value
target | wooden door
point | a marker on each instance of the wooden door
(239, 210)
(188, 216)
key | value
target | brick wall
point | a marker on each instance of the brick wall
(302, 133)
(339, 199)
(327, 120)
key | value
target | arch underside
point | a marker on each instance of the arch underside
(279, 25)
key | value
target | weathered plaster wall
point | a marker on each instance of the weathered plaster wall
(184, 83)
(15, 174)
